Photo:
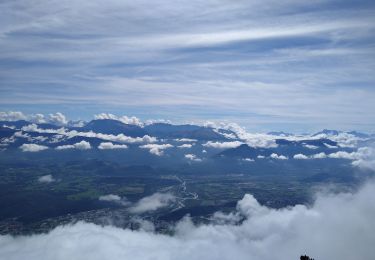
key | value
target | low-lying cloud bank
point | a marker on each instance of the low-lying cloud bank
(337, 226)
(362, 158)
(150, 203)
(153, 202)
(114, 198)
(121, 138)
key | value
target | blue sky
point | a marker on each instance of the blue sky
(268, 65)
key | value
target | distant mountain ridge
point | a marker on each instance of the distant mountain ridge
(115, 127)
(336, 132)
(164, 130)
(286, 143)
(245, 151)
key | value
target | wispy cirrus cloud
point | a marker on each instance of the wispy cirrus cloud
(223, 56)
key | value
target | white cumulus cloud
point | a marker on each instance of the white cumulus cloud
(110, 146)
(83, 145)
(124, 119)
(343, 155)
(46, 178)
(32, 147)
(110, 197)
(365, 158)
(185, 146)
(115, 199)
(278, 157)
(156, 149)
(192, 157)
(309, 146)
(300, 157)
(153, 202)
(58, 119)
(319, 156)
(38, 118)
(12, 116)
(185, 140)
(223, 145)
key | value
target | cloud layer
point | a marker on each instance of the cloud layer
(324, 231)
(121, 138)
